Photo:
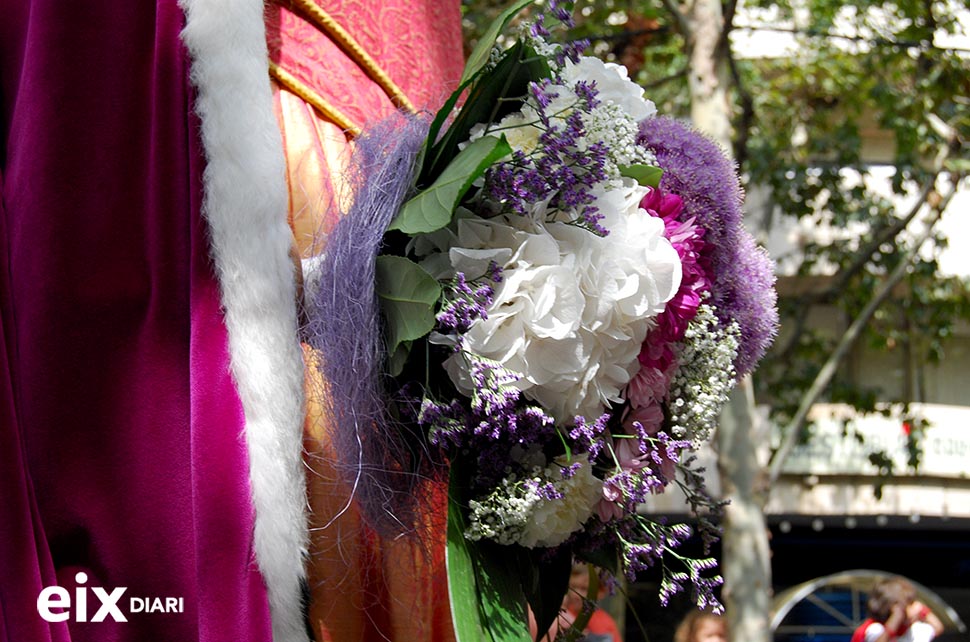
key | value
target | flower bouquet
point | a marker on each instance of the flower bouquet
(548, 293)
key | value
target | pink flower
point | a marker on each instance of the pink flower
(608, 506)
(666, 206)
(650, 384)
(650, 416)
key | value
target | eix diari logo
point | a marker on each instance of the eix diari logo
(107, 602)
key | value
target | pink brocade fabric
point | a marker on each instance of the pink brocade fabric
(418, 44)
(121, 451)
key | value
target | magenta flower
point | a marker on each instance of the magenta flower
(742, 275)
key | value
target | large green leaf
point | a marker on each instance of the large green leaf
(646, 175)
(433, 208)
(480, 54)
(492, 95)
(407, 295)
(462, 587)
(484, 583)
(474, 65)
(546, 581)
(503, 603)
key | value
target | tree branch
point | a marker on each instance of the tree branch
(884, 235)
(854, 331)
(680, 17)
(663, 81)
(728, 10)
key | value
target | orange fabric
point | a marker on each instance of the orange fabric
(361, 587)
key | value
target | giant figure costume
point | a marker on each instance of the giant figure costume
(151, 377)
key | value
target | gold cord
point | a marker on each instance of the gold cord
(318, 102)
(342, 37)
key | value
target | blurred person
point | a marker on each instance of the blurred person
(895, 615)
(701, 626)
(601, 626)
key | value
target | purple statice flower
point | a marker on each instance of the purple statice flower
(571, 51)
(586, 91)
(543, 93)
(742, 275)
(589, 437)
(538, 28)
(561, 170)
(490, 426)
(562, 13)
(466, 302)
(568, 472)
(545, 490)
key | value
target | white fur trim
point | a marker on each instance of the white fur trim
(245, 203)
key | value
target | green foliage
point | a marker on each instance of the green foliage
(433, 208)
(645, 175)
(407, 296)
(483, 48)
(486, 586)
(487, 101)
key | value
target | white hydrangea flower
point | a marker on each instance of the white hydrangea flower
(551, 522)
(572, 308)
(612, 84)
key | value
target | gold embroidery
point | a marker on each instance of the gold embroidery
(321, 104)
(353, 49)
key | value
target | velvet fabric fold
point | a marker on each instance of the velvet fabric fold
(121, 433)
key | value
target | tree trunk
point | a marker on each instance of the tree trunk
(745, 560)
(708, 72)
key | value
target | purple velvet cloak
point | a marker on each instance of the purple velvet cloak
(123, 450)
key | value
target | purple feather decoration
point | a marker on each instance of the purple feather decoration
(344, 325)
(742, 274)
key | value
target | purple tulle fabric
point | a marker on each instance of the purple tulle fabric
(698, 171)
(344, 324)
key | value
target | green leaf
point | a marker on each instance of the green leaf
(646, 175)
(398, 358)
(433, 208)
(407, 295)
(492, 95)
(607, 558)
(484, 582)
(462, 587)
(547, 580)
(473, 68)
(500, 591)
(958, 164)
(480, 54)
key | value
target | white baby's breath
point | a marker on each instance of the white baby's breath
(515, 513)
(704, 377)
